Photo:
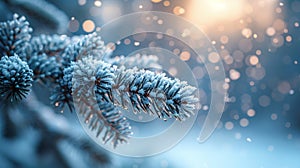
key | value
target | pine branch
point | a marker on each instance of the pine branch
(61, 95)
(43, 56)
(105, 119)
(90, 44)
(102, 117)
(15, 78)
(56, 129)
(143, 90)
(14, 36)
(138, 60)
(44, 68)
(51, 45)
(97, 88)
(135, 90)
(94, 156)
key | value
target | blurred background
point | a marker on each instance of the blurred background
(259, 44)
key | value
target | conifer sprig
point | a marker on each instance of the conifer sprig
(14, 36)
(135, 90)
(75, 70)
(15, 78)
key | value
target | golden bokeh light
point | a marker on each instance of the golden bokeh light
(127, 41)
(244, 122)
(167, 3)
(213, 57)
(251, 113)
(176, 51)
(97, 3)
(234, 74)
(88, 26)
(178, 10)
(288, 38)
(253, 60)
(229, 125)
(246, 32)
(224, 39)
(185, 56)
(270, 31)
(156, 1)
(258, 52)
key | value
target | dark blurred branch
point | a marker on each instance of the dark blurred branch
(55, 129)
(43, 12)
(9, 128)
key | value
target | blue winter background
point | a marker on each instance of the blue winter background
(259, 43)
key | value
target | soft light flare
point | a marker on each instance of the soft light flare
(212, 11)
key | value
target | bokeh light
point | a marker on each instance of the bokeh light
(88, 26)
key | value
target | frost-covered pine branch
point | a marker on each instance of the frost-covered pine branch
(145, 91)
(51, 45)
(101, 116)
(89, 44)
(14, 36)
(15, 78)
(133, 89)
(43, 55)
(137, 60)
(15, 74)
(98, 85)
(75, 71)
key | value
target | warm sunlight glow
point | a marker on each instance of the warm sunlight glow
(210, 11)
